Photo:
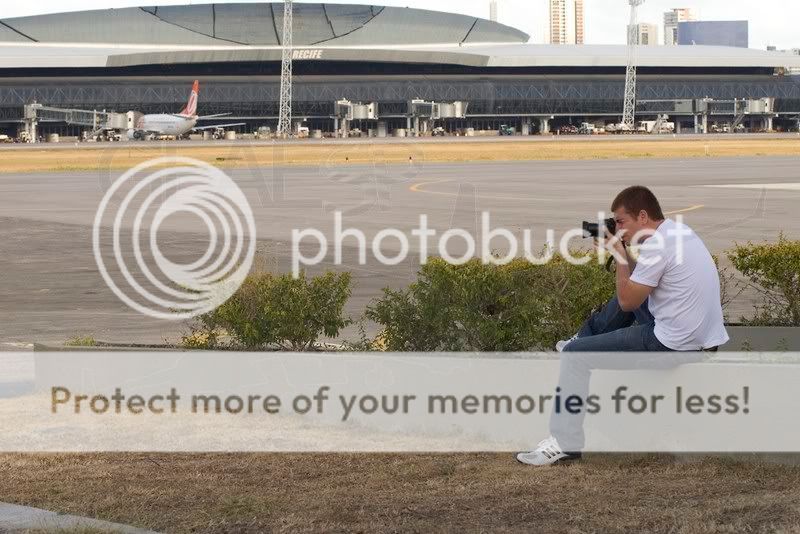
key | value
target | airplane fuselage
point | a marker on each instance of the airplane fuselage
(166, 124)
(177, 124)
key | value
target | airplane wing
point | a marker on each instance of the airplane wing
(218, 115)
(214, 116)
(215, 126)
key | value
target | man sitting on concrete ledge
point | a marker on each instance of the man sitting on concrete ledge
(666, 302)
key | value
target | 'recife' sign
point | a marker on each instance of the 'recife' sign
(306, 54)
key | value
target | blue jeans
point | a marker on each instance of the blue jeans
(602, 343)
(613, 330)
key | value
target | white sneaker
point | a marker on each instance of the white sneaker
(564, 342)
(548, 452)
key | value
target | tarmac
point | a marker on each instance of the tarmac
(51, 288)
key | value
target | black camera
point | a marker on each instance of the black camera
(593, 229)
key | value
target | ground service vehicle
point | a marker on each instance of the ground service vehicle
(505, 129)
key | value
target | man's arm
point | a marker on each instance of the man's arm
(631, 260)
(629, 294)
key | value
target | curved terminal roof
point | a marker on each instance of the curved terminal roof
(228, 33)
(258, 24)
(44, 56)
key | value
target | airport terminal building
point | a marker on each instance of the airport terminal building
(146, 58)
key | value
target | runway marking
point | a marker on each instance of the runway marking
(417, 188)
(685, 210)
(790, 186)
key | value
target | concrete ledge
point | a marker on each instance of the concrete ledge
(39, 347)
(743, 339)
(762, 339)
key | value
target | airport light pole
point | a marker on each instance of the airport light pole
(629, 111)
(285, 109)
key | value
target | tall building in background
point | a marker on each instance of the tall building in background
(567, 22)
(671, 21)
(493, 10)
(715, 33)
(558, 21)
(646, 34)
(580, 24)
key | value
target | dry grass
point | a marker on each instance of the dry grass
(407, 493)
(109, 157)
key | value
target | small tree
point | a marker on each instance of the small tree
(773, 269)
(729, 288)
(482, 307)
(302, 311)
(277, 311)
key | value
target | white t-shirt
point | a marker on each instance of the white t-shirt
(686, 300)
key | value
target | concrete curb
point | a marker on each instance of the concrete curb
(16, 518)
(743, 339)
(762, 338)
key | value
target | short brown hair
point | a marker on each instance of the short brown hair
(637, 198)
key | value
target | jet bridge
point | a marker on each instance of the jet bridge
(423, 113)
(346, 112)
(97, 120)
(761, 110)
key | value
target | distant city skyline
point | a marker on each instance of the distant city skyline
(580, 22)
(671, 20)
(605, 20)
(557, 17)
(714, 33)
(647, 34)
(566, 22)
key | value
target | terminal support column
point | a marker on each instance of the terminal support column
(544, 125)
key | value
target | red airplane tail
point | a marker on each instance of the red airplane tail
(191, 107)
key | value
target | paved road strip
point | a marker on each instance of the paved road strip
(14, 517)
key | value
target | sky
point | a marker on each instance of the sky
(772, 22)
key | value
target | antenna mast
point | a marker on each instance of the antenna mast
(629, 111)
(285, 110)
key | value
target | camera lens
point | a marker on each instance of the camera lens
(592, 229)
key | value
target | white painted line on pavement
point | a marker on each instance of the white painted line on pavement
(789, 186)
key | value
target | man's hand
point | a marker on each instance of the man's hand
(616, 242)
(613, 244)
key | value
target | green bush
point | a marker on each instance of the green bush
(773, 269)
(480, 307)
(81, 341)
(729, 287)
(271, 311)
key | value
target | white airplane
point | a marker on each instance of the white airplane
(175, 124)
